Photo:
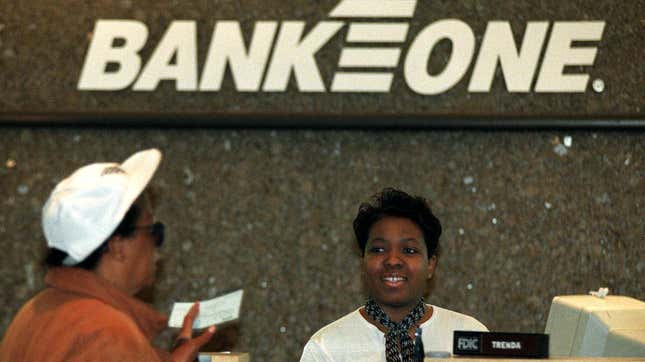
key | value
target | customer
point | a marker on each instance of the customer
(102, 241)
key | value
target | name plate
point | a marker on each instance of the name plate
(499, 344)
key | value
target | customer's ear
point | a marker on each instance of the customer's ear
(116, 248)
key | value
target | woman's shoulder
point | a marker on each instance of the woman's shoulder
(345, 325)
(446, 318)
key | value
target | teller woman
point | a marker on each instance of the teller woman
(398, 236)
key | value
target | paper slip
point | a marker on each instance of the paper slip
(218, 310)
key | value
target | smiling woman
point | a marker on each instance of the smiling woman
(397, 266)
(398, 236)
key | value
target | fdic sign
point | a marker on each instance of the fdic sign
(372, 51)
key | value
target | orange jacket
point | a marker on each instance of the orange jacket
(80, 317)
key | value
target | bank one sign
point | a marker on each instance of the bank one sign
(377, 42)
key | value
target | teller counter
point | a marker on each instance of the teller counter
(224, 357)
(244, 357)
(554, 359)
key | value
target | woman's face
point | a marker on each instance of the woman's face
(141, 250)
(396, 264)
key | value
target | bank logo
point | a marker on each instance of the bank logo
(468, 344)
(377, 42)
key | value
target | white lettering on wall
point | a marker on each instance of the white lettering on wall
(373, 50)
(498, 47)
(179, 43)
(103, 51)
(227, 47)
(293, 53)
(416, 63)
(561, 53)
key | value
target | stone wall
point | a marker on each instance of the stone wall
(525, 218)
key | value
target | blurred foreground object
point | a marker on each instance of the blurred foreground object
(224, 357)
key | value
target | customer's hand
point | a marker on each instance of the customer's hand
(186, 347)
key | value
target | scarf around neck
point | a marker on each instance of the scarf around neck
(398, 344)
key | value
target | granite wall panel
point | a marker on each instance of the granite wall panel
(527, 216)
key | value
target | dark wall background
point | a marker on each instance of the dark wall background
(526, 218)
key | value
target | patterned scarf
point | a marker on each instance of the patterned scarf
(398, 344)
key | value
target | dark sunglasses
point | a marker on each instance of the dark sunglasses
(157, 230)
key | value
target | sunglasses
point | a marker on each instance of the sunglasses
(157, 230)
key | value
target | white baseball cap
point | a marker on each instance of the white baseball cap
(85, 208)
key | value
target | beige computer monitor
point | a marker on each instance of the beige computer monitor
(585, 325)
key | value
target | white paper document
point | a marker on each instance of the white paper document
(215, 311)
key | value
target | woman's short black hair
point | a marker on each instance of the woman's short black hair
(393, 202)
(126, 227)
